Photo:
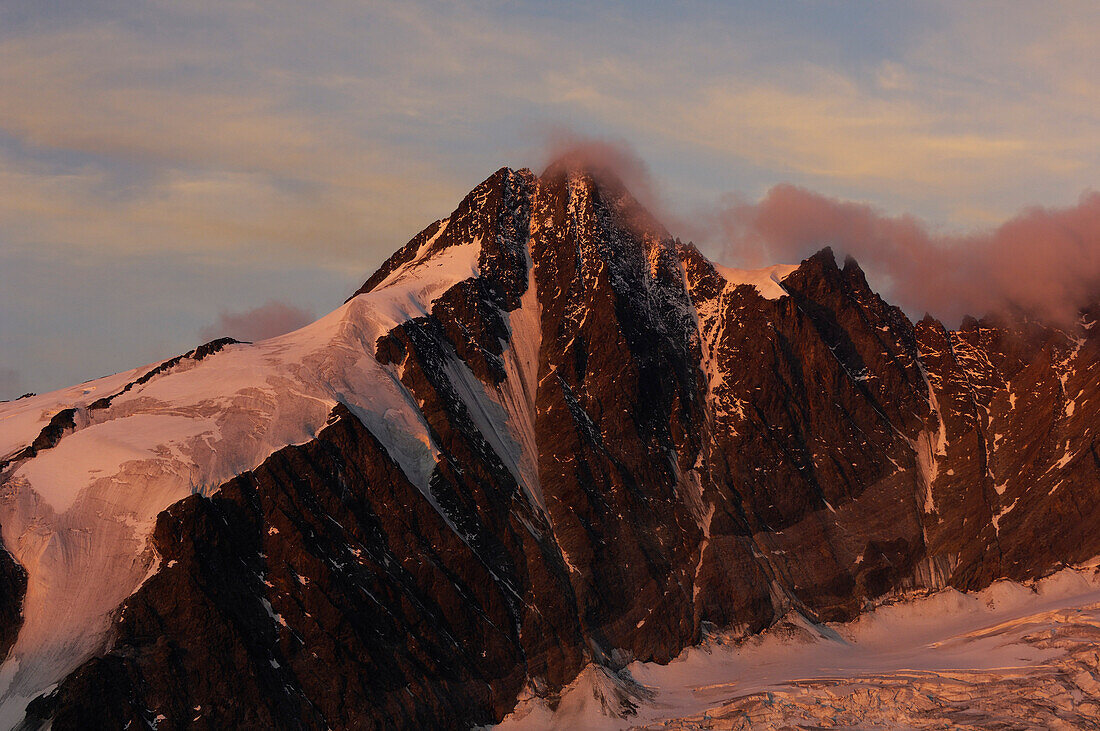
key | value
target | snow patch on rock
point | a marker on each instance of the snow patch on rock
(767, 281)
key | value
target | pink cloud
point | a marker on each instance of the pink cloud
(612, 162)
(1045, 261)
(601, 156)
(266, 321)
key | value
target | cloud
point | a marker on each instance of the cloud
(118, 141)
(616, 162)
(11, 384)
(571, 149)
(1045, 261)
(266, 321)
(207, 213)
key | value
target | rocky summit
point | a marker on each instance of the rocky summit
(544, 439)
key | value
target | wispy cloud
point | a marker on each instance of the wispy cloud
(161, 146)
(213, 125)
(269, 320)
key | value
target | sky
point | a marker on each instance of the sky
(169, 170)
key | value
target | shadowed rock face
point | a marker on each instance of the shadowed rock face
(632, 448)
(1017, 485)
(13, 587)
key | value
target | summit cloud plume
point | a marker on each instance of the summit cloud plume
(1044, 261)
(602, 156)
(614, 162)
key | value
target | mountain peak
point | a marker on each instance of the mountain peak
(824, 257)
(482, 216)
(580, 165)
(541, 419)
(581, 177)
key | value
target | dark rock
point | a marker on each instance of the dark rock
(13, 589)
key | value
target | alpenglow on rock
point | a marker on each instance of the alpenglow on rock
(545, 438)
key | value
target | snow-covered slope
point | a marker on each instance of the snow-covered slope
(21, 420)
(1010, 656)
(77, 516)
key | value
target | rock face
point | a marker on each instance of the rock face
(628, 445)
(13, 587)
